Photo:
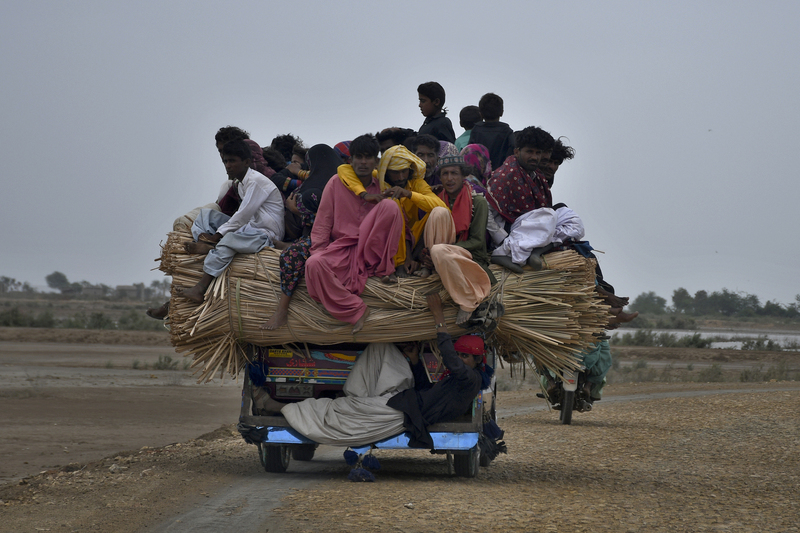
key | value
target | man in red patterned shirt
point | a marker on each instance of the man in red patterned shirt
(518, 188)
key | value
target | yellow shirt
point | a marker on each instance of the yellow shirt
(422, 199)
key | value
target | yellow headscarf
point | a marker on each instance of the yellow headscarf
(400, 158)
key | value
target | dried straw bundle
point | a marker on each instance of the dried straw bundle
(549, 315)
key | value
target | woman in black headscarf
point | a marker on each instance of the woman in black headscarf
(323, 162)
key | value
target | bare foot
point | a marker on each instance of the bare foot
(360, 324)
(620, 318)
(280, 245)
(401, 272)
(612, 299)
(201, 248)
(159, 313)
(463, 317)
(277, 320)
(423, 273)
(505, 261)
(195, 294)
(627, 317)
(391, 278)
(263, 404)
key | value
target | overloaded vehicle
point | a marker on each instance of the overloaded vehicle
(548, 316)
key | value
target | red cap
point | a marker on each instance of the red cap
(471, 344)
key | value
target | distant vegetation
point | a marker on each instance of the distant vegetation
(84, 289)
(687, 311)
(81, 305)
(132, 319)
(647, 337)
(722, 303)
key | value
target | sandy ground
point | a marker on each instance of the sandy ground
(65, 402)
(90, 444)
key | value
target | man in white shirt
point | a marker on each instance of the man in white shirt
(257, 223)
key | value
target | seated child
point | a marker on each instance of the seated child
(257, 223)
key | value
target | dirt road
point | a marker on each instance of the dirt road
(652, 457)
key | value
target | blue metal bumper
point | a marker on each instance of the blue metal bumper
(441, 440)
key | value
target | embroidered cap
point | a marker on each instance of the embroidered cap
(451, 161)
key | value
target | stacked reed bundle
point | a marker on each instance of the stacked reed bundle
(549, 315)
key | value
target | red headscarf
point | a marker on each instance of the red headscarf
(462, 210)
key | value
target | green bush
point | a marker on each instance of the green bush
(136, 320)
(76, 321)
(100, 321)
(14, 318)
(711, 374)
(763, 342)
(165, 362)
(646, 337)
(750, 375)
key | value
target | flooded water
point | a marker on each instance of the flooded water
(729, 338)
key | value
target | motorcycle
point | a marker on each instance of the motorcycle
(569, 394)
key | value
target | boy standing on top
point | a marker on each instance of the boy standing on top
(496, 136)
(431, 104)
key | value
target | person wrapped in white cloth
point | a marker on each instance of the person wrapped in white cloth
(360, 416)
(532, 234)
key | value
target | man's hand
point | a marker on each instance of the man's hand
(371, 198)
(411, 265)
(291, 203)
(436, 189)
(435, 305)
(397, 192)
(294, 168)
(425, 259)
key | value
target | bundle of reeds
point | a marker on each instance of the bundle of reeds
(549, 315)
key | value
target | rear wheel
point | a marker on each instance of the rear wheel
(275, 458)
(261, 456)
(567, 402)
(468, 464)
(485, 461)
(303, 452)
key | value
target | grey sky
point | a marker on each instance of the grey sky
(683, 115)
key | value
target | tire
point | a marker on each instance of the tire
(485, 461)
(303, 452)
(567, 402)
(261, 456)
(468, 464)
(275, 458)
